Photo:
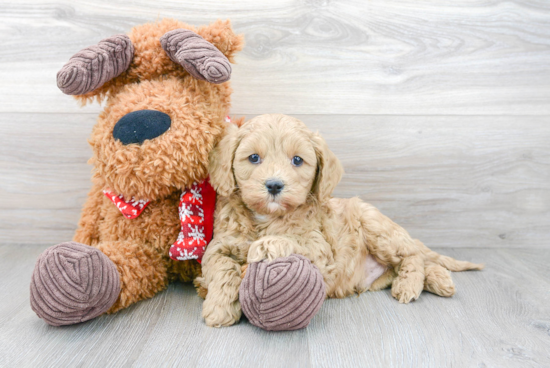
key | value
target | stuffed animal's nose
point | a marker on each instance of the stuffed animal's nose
(274, 186)
(138, 126)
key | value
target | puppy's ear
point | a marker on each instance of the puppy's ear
(221, 161)
(329, 170)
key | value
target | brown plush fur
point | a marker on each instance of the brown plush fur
(157, 170)
(337, 235)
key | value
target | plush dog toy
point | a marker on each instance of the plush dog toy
(275, 178)
(148, 216)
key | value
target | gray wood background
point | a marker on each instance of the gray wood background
(439, 111)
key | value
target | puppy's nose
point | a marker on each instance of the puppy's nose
(274, 186)
(138, 126)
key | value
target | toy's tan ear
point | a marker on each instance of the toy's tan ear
(329, 170)
(221, 35)
(221, 162)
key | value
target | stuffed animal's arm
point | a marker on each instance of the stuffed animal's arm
(88, 226)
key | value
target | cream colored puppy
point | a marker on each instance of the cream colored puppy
(274, 178)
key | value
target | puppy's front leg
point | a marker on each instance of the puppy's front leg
(271, 247)
(222, 278)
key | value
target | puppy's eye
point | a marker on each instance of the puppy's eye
(297, 161)
(254, 158)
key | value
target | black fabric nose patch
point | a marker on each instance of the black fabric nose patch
(138, 126)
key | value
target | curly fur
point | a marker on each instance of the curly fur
(157, 170)
(337, 235)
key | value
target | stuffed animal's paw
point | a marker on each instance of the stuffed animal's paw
(73, 283)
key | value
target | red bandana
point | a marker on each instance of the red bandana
(130, 209)
(196, 210)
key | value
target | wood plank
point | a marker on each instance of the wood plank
(450, 180)
(338, 57)
(16, 265)
(45, 178)
(26, 341)
(181, 339)
(499, 317)
(454, 181)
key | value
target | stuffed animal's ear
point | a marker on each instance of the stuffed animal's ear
(221, 35)
(206, 54)
(198, 57)
(329, 170)
(221, 161)
(90, 68)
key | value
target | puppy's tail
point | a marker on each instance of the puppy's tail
(454, 265)
(450, 263)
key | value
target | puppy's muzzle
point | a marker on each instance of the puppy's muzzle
(274, 186)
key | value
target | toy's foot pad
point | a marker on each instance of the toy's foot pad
(282, 295)
(73, 283)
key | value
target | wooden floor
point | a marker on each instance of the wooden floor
(500, 317)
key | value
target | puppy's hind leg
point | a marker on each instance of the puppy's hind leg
(438, 280)
(392, 245)
(384, 281)
(409, 282)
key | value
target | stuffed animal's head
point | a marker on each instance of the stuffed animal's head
(275, 164)
(166, 96)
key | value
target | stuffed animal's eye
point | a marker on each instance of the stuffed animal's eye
(297, 161)
(254, 158)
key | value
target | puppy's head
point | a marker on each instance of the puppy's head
(276, 163)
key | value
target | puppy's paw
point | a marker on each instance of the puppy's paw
(406, 290)
(270, 248)
(221, 316)
(438, 280)
(256, 252)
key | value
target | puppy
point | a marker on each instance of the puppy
(274, 178)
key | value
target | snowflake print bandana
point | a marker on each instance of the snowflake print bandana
(196, 211)
(130, 209)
